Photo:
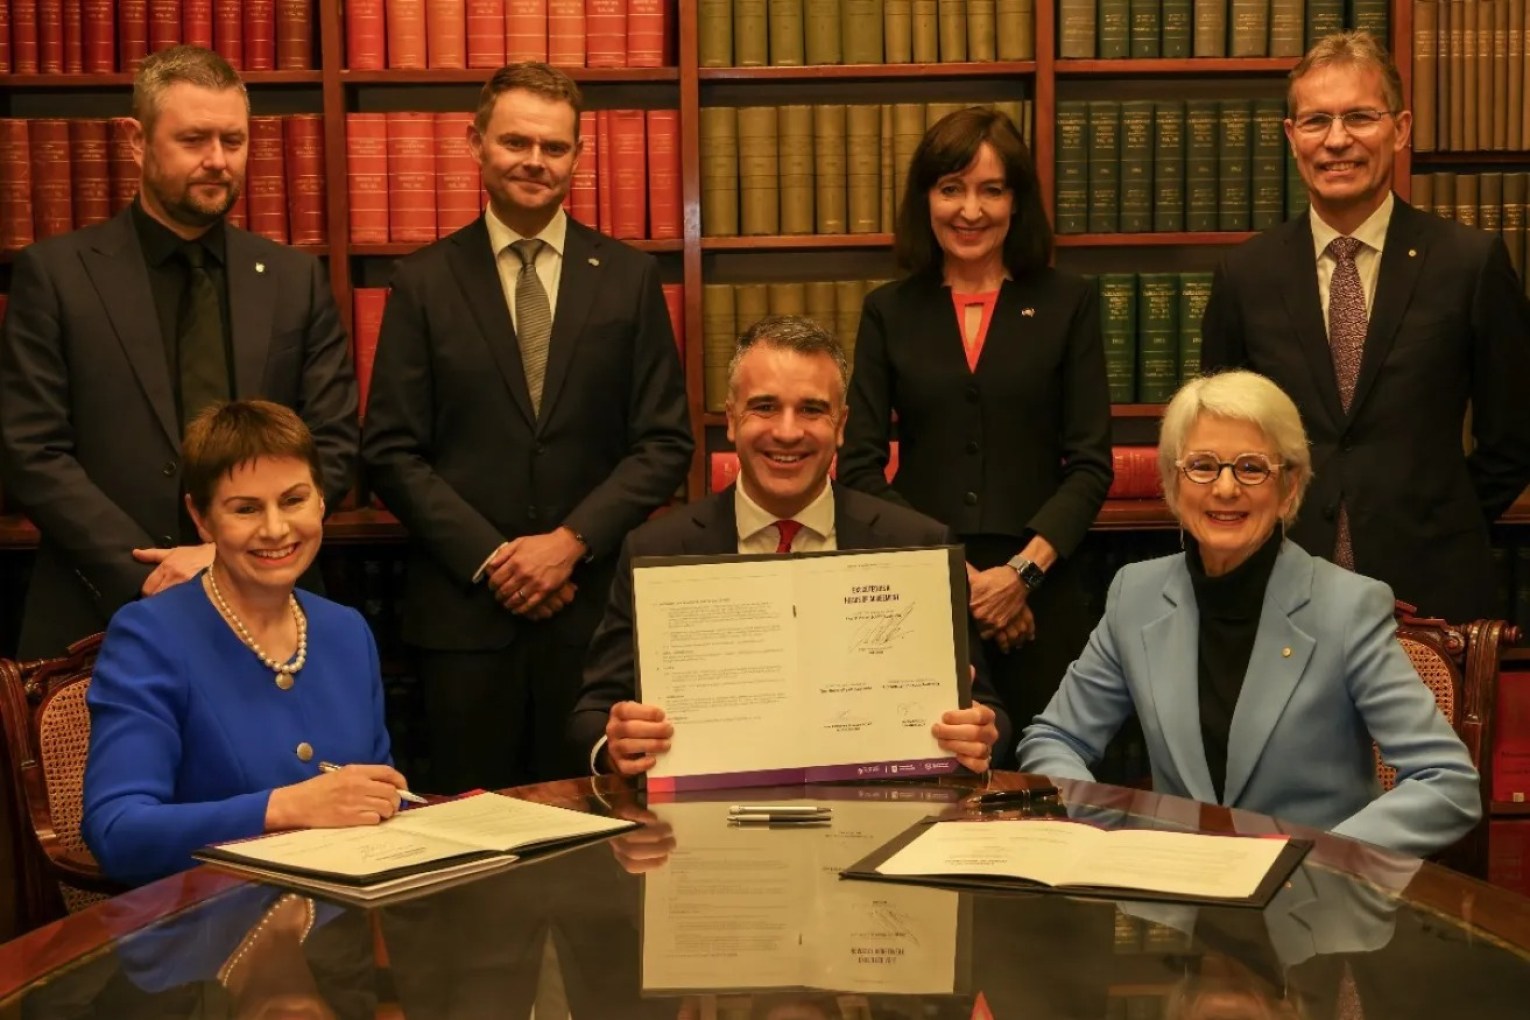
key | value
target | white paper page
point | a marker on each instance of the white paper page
(718, 653)
(355, 852)
(494, 822)
(1069, 853)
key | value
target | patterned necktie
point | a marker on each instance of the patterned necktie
(1346, 341)
(533, 319)
(201, 361)
(788, 530)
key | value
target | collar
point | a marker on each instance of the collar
(554, 235)
(751, 518)
(1239, 593)
(1372, 233)
(160, 243)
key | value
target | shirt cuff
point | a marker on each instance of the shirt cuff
(600, 745)
(483, 568)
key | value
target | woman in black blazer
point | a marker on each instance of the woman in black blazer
(991, 362)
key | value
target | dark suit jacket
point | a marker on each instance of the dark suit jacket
(1449, 324)
(709, 528)
(452, 447)
(1021, 445)
(88, 430)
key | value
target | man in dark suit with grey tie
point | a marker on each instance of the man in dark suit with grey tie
(118, 334)
(527, 410)
(1383, 323)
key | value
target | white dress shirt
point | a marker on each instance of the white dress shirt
(549, 261)
(1372, 234)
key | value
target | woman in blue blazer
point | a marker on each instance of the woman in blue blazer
(213, 702)
(1260, 674)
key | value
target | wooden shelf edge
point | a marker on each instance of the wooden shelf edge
(400, 248)
(868, 72)
(716, 419)
(1154, 240)
(796, 242)
(1514, 654)
(116, 78)
(1175, 66)
(478, 75)
(1489, 158)
(1508, 809)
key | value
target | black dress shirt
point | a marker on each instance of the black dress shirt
(1230, 605)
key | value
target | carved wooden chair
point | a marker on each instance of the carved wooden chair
(47, 733)
(1459, 665)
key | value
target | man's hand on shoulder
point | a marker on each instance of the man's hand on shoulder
(636, 734)
(532, 570)
(181, 563)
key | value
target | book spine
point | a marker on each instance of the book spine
(674, 304)
(1209, 27)
(605, 172)
(820, 304)
(228, 29)
(828, 150)
(1445, 194)
(260, 35)
(664, 203)
(1136, 165)
(1455, 42)
(953, 30)
(164, 26)
(821, 34)
(908, 130)
(751, 34)
(1250, 28)
(1144, 31)
(889, 171)
(303, 142)
(458, 180)
(1194, 292)
(786, 298)
(861, 25)
(1516, 190)
(584, 191)
(5, 50)
(1115, 32)
(647, 33)
(1466, 198)
(1177, 32)
(1515, 137)
(983, 30)
(897, 31)
(446, 34)
(1371, 16)
(722, 469)
(368, 305)
(849, 296)
(121, 167)
(405, 21)
(759, 194)
(24, 43)
(605, 33)
(1201, 193)
(73, 37)
(1478, 43)
(1324, 17)
(294, 35)
(50, 36)
(863, 169)
(1234, 151)
(99, 45)
(16, 226)
(1118, 330)
(924, 30)
(411, 177)
(52, 186)
(1157, 337)
(1500, 63)
(1490, 201)
(1267, 159)
(784, 18)
(486, 33)
(718, 142)
(794, 168)
(1015, 29)
(1076, 36)
(265, 179)
(366, 176)
(714, 33)
(1169, 165)
(1104, 166)
(524, 30)
(1425, 43)
(1287, 32)
(196, 23)
(718, 339)
(1421, 191)
(1135, 470)
(1072, 166)
(92, 174)
(565, 33)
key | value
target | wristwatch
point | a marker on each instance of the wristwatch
(1030, 575)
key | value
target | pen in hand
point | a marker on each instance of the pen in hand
(404, 795)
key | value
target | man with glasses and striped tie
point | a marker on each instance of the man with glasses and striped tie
(1383, 322)
(527, 410)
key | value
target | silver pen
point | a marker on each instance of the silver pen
(405, 795)
(777, 809)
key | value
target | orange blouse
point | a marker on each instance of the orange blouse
(972, 340)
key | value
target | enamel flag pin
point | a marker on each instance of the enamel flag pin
(594, 262)
(1029, 313)
(260, 267)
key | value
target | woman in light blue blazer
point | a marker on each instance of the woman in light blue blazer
(1260, 674)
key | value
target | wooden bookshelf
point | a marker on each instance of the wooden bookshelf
(1505, 160)
(1146, 239)
(869, 72)
(477, 76)
(1167, 68)
(797, 242)
(400, 248)
(118, 80)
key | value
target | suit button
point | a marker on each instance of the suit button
(166, 542)
(541, 450)
(169, 469)
(305, 751)
(970, 499)
(1330, 512)
(972, 393)
(1347, 448)
(972, 446)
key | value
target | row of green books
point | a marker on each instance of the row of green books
(795, 33)
(1177, 29)
(1146, 165)
(1492, 201)
(826, 169)
(727, 309)
(1151, 327)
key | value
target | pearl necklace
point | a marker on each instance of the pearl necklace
(284, 670)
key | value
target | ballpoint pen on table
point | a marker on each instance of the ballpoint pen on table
(779, 821)
(413, 798)
(777, 809)
(1007, 798)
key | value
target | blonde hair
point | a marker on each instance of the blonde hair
(1355, 47)
(190, 64)
(1238, 396)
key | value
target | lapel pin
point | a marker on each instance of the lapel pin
(1029, 313)
(1412, 252)
(594, 262)
(260, 267)
(1285, 653)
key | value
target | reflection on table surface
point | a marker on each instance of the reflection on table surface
(690, 918)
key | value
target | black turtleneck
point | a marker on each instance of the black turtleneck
(1229, 606)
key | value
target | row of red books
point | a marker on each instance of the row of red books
(411, 177)
(59, 175)
(448, 34)
(366, 324)
(105, 36)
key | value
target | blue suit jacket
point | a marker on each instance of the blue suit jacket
(1326, 677)
(190, 734)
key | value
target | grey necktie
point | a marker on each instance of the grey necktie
(1346, 341)
(533, 315)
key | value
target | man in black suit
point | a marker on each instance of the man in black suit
(1383, 323)
(118, 334)
(786, 418)
(527, 410)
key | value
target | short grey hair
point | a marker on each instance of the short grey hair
(1357, 48)
(791, 333)
(1237, 396)
(190, 64)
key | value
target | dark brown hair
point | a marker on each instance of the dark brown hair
(535, 77)
(223, 436)
(950, 147)
(190, 64)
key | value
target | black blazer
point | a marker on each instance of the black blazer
(1449, 325)
(1022, 445)
(710, 528)
(89, 438)
(453, 450)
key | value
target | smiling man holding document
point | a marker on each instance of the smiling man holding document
(786, 418)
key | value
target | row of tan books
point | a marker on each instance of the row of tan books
(796, 33)
(58, 175)
(1177, 29)
(107, 36)
(825, 169)
(1470, 76)
(1491, 201)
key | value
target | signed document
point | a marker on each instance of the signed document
(811, 667)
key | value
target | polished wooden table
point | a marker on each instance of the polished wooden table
(688, 918)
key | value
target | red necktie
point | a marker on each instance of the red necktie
(788, 530)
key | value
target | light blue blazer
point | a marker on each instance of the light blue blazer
(1326, 677)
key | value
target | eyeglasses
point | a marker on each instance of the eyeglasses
(1247, 468)
(1356, 122)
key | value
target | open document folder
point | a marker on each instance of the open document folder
(414, 849)
(1081, 860)
(784, 669)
